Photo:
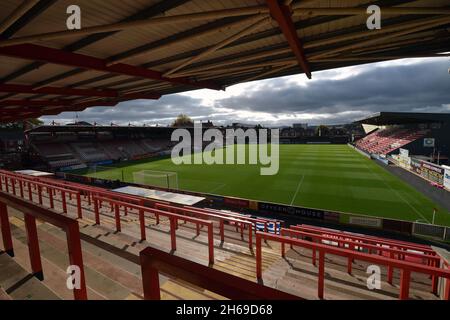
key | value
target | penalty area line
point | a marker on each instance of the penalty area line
(298, 189)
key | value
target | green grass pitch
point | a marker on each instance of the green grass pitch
(331, 177)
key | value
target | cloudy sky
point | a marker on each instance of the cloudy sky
(331, 97)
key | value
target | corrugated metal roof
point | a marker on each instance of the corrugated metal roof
(328, 40)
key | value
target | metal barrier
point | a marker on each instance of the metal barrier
(405, 267)
(393, 253)
(10, 181)
(367, 239)
(154, 261)
(173, 219)
(31, 211)
(204, 215)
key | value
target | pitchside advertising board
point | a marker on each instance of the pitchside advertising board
(446, 177)
(403, 159)
(432, 172)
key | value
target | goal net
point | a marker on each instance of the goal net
(163, 179)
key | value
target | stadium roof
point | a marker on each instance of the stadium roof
(391, 118)
(142, 49)
(82, 128)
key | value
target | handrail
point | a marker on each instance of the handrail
(154, 261)
(221, 219)
(405, 267)
(368, 239)
(24, 180)
(352, 245)
(173, 219)
(31, 211)
(265, 221)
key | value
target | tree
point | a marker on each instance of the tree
(183, 121)
(323, 131)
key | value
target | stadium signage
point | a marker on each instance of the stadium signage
(446, 177)
(297, 211)
(432, 172)
(213, 153)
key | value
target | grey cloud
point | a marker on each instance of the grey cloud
(423, 87)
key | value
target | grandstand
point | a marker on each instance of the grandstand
(74, 147)
(107, 236)
(332, 225)
(394, 130)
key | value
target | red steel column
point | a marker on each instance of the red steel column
(142, 224)
(173, 236)
(76, 258)
(6, 230)
(404, 284)
(349, 265)
(50, 198)
(258, 257)
(150, 281)
(33, 246)
(117, 217)
(64, 203)
(96, 211)
(250, 236)
(211, 242)
(222, 231)
(320, 285)
(30, 194)
(21, 188)
(390, 270)
(13, 185)
(40, 194)
(80, 213)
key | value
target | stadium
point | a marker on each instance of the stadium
(107, 211)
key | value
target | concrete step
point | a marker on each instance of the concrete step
(18, 284)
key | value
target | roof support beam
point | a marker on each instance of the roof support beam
(57, 56)
(282, 14)
(7, 103)
(17, 14)
(17, 88)
(253, 27)
(120, 26)
(151, 11)
(309, 12)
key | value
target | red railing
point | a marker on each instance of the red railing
(358, 246)
(264, 221)
(193, 212)
(155, 261)
(366, 239)
(31, 211)
(405, 267)
(173, 219)
(11, 180)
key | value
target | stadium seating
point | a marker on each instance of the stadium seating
(115, 228)
(59, 155)
(388, 140)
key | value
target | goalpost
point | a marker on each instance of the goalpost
(164, 179)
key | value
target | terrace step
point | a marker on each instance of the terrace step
(302, 276)
(111, 275)
(18, 284)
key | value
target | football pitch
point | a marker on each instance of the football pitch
(330, 177)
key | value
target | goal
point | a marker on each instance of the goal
(163, 179)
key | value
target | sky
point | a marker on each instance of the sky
(335, 96)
